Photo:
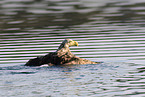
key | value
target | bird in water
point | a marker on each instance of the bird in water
(62, 56)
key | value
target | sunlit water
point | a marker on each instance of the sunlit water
(108, 31)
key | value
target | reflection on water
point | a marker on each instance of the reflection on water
(107, 31)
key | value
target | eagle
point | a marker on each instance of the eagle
(61, 57)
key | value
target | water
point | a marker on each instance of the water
(108, 31)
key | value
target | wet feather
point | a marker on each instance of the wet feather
(62, 56)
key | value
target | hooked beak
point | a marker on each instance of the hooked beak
(73, 43)
(76, 43)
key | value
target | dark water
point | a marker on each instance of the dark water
(108, 31)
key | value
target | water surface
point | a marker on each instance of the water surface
(111, 32)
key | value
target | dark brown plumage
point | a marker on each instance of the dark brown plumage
(62, 56)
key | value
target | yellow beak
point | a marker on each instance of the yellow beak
(73, 43)
(76, 43)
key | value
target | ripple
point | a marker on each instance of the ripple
(111, 32)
